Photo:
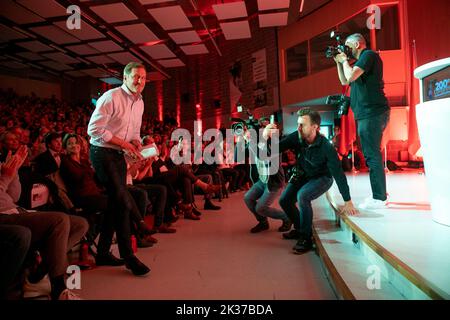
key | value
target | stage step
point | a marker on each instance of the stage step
(351, 274)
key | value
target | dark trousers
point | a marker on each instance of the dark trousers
(157, 194)
(303, 193)
(52, 233)
(14, 244)
(370, 132)
(111, 170)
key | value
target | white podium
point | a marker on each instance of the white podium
(433, 120)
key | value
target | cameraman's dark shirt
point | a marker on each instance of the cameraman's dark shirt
(367, 94)
(318, 159)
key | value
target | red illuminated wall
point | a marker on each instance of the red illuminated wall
(426, 22)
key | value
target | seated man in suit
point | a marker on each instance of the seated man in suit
(47, 164)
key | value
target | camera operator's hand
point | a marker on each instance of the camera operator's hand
(267, 133)
(341, 57)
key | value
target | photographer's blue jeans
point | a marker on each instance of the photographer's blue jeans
(111, 169)
(370, 132)
(303, 193)
(259, 200)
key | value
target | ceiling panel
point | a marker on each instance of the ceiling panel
(56, 65)
(272, 4)
(17, 13)
(194, 49)
(171, 18)
(236, 30)
(230, 10)
(123, 57)
(35, 46)
(86, 31)
(154, 1)
(8, 34)
(137, 33)
(115, 12)
(100, 59)
(13, 64)
(106, 46)
(171, 63)
(30, 56)
(158, 51)
(61, 57)
(273, 19)
(44, 8)
(111, 80)
(55, 34)
(96, 73)
(82, 49)
(76, 73)
(185, 37)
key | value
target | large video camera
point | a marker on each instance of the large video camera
(239, 124)
(333, 51)
(342, 103)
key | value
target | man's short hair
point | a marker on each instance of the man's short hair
(357, 37)
(313, 115)
(130, 66)
(49, 137)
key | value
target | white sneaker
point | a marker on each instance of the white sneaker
(40, 289)
(373, 204)
(69, 295)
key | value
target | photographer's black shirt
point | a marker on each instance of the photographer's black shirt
(317, 159)
(367, 94)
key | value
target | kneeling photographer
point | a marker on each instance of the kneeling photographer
(369, 105)
(266, 186)
(317, 165)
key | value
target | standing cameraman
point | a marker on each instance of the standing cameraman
(371, 110)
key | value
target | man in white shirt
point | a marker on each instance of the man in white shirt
(114, 129)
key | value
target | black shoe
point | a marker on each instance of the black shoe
(108, 260)
(144, 229)
(137, 267)
(210, 206)
(196, 212)
(261, 226)
(142, 242)
(302, 246)
(286, 226)
(293, 234)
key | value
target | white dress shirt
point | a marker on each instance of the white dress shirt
(117, 113)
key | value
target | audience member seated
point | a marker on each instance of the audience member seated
(14, 244)
(52, 233)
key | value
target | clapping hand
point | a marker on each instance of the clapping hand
(14, 162)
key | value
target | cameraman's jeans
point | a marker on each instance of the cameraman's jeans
(303, 193)
(259, 200)
(111, 169)
(370, 132)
